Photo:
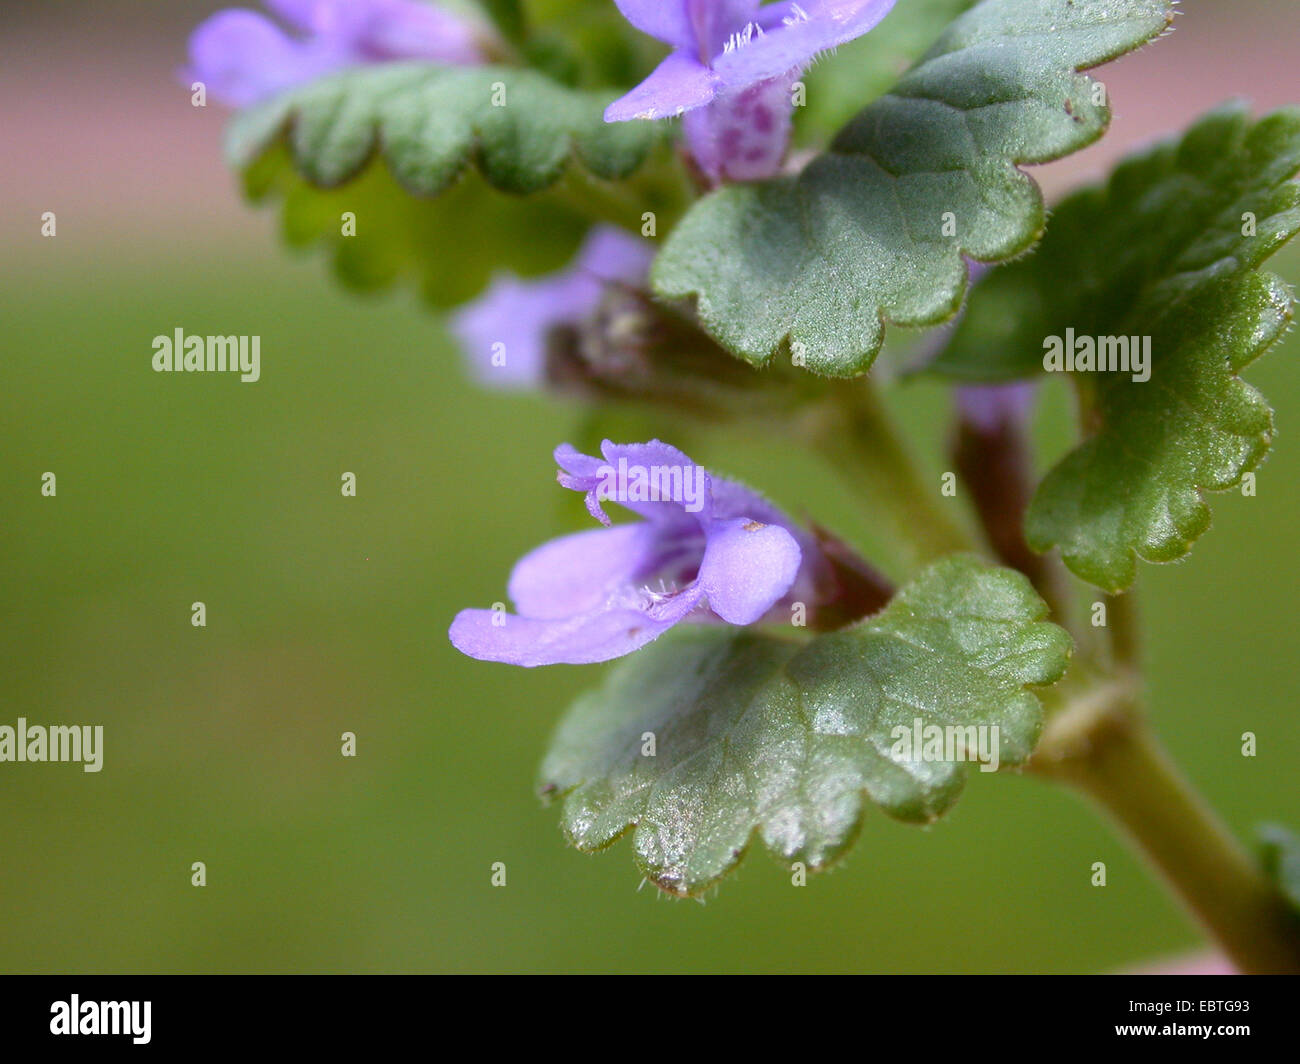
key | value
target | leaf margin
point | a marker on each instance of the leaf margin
(1045, 651)
(674, 278)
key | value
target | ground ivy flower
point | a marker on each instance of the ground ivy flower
(732, 69)
(994, 408)
(991, 451)
(505, 332)
(706, 549)
(243, 57)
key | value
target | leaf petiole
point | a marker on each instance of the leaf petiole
(852, 429)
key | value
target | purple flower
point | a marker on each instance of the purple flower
(244, 57)
(994, 408)
(706, 549)
(732, 69)
(990, 446)
(504, 332)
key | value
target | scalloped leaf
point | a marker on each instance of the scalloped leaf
(1169, 249)
(756, 734)
(449, 246)
(1168, 223)
(1135, 488)
(518, 127)
(824, 259)
(865, 68)
(441, 139)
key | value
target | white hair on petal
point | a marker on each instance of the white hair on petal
(742, 37)
(796, 16)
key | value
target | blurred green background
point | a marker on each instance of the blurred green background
(328, 614)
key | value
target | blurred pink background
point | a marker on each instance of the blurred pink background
(91, 93)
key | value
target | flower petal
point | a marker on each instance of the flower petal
(855, 17)
(668, 20)
(580, 640)
(652, 479)
(747, 567)
(518, 314)
(378, 30)
(993, 407)
(684, 487)
(678, 84)
(243, 57)
(615, 255)
(581, 472)
(579, 467)
(733, 499)
(743, 135)
(581, 572)
(301, 14)
(504, 331)
(714, 22)
(813, 27)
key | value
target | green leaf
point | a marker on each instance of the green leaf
(1168, 225)
(824, 259)
(759, 734)
(519, 128)
(1281, 858)
(435, 212)
(1162, 251)
(449, 246)
(1136, 487)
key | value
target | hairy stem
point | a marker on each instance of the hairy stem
(854, 432)
(1101, 745)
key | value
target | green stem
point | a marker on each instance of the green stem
(1099, 741)
(1102, 746)
(1125, 632)
(509, 18)
(598, 200)
(854, 432)
(659, 187)
(1054, 586)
